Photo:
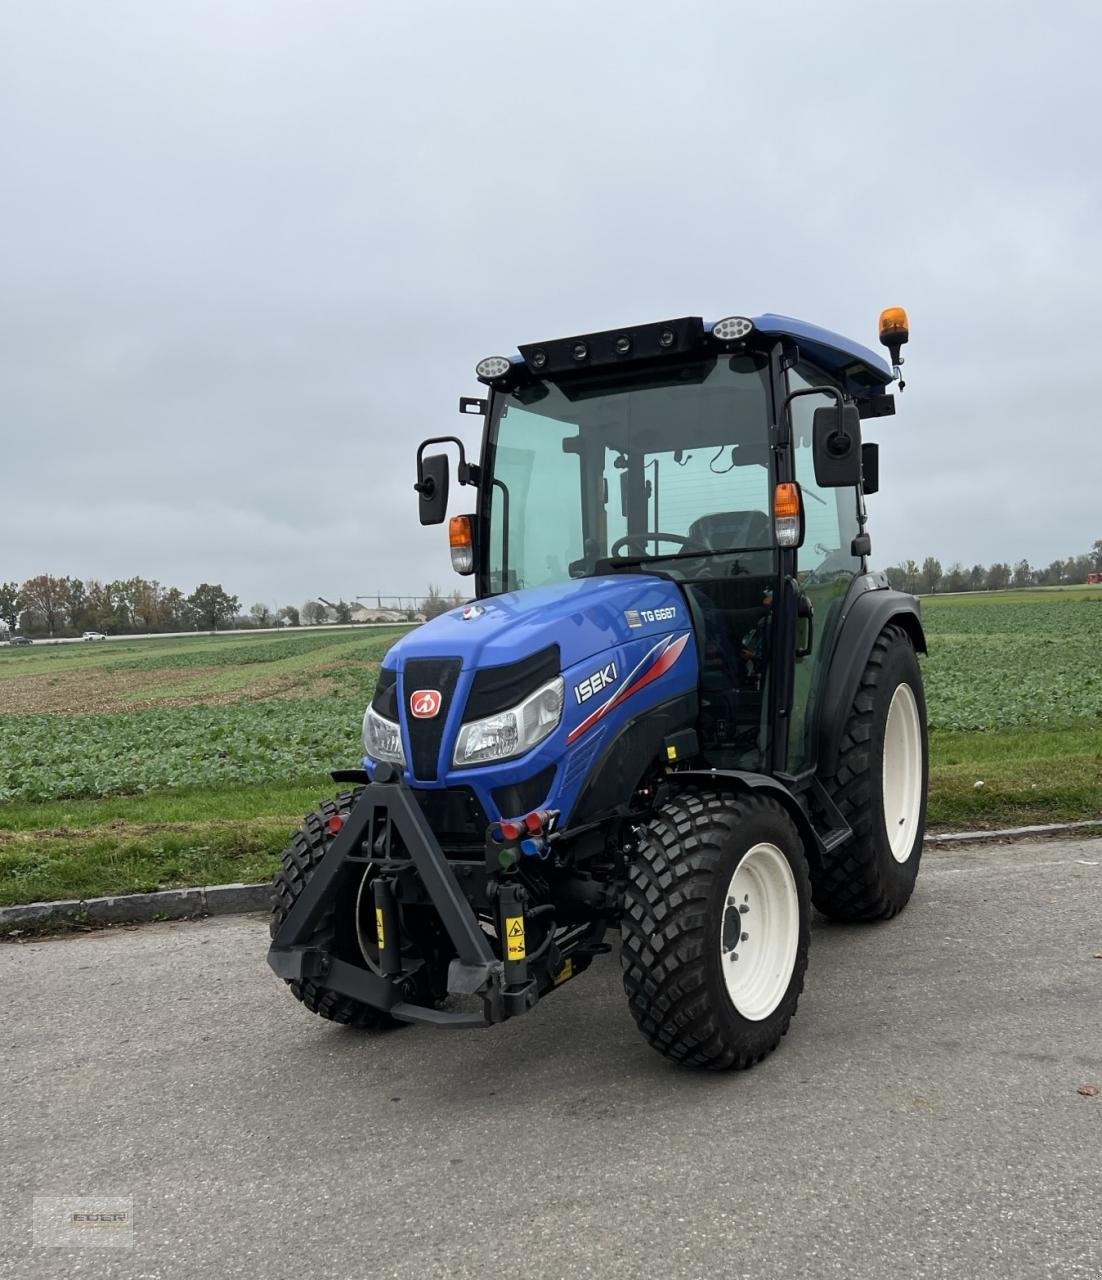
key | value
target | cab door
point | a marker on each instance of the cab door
(826, 566)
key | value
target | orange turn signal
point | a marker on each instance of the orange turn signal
(461, 540)
(786, 501)
(895, 328)
(787, 514)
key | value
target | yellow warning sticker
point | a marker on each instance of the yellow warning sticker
(514, 938)
(567, 971)
(380, 931)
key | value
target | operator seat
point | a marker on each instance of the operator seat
(724, 529)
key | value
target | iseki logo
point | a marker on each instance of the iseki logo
(595, 683)
(424, 703)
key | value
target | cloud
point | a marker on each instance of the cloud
(253, 251)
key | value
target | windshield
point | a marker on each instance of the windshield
(596, 469)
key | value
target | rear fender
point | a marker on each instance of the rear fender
(868, 610)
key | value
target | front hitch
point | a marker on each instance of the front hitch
(382, 812)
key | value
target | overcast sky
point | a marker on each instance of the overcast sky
(250, 251)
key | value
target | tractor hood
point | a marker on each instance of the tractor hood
(622, 645)
(583, 618)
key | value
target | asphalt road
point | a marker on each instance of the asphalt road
(921, 1119)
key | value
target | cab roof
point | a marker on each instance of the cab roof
(830, 351)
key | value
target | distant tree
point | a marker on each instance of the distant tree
(211, 605)
(136, 604)
(930, 574)
(998, 577)
(910, 573)
(261, 615)
(434, 603)
(1096, 556)
(313, 613)
(977, 578)
(11, 604)
(47, 598)
(78, 606)
(99, 608)
(343, 611)
(175, 615)
(1051, 576)
(956, 577)
(1077, 568)
(1023, 574)
(289, 615)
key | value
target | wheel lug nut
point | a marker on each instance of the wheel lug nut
(744, 910)
(745, 938)
(734, 955)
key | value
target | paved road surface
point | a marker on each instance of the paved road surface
(921, 1119)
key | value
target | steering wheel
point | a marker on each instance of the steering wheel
(639, 540)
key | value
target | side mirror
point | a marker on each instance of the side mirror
(432, 488)
(836, 446)
(870, 467)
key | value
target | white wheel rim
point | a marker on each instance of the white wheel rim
(902, 782)
(760, 933)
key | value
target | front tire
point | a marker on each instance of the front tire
(880, 787)
(715, 928)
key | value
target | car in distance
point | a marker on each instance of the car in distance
(93, 635)
(19, 640)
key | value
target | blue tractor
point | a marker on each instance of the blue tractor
(680, 705)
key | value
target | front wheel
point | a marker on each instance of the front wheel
(715, 928)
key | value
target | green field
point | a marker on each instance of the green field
(153, 763)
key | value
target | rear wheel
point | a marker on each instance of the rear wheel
(715, 928)
(880, 787)
(338, 935)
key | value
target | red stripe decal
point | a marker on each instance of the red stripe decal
(664, 662)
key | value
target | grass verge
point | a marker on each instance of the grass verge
(162, 840)
(1027, 775)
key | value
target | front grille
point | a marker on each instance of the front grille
(456, 817)
(425, 736)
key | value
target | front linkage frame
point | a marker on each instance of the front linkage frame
(386, 833)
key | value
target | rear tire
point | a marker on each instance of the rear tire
(880, 787)
(308, 846)
(706, 856)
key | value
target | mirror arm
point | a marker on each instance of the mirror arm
(465, 473)
(834, 444)
(814, 391)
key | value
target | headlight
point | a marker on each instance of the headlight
(382, 738)
(513, 732)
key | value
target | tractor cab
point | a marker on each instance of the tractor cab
(723, 457)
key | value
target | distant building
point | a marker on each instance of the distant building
(369, 613)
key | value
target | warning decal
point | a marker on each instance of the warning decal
(514, 938)
(380, 932)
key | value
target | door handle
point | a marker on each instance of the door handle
(805, 612)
